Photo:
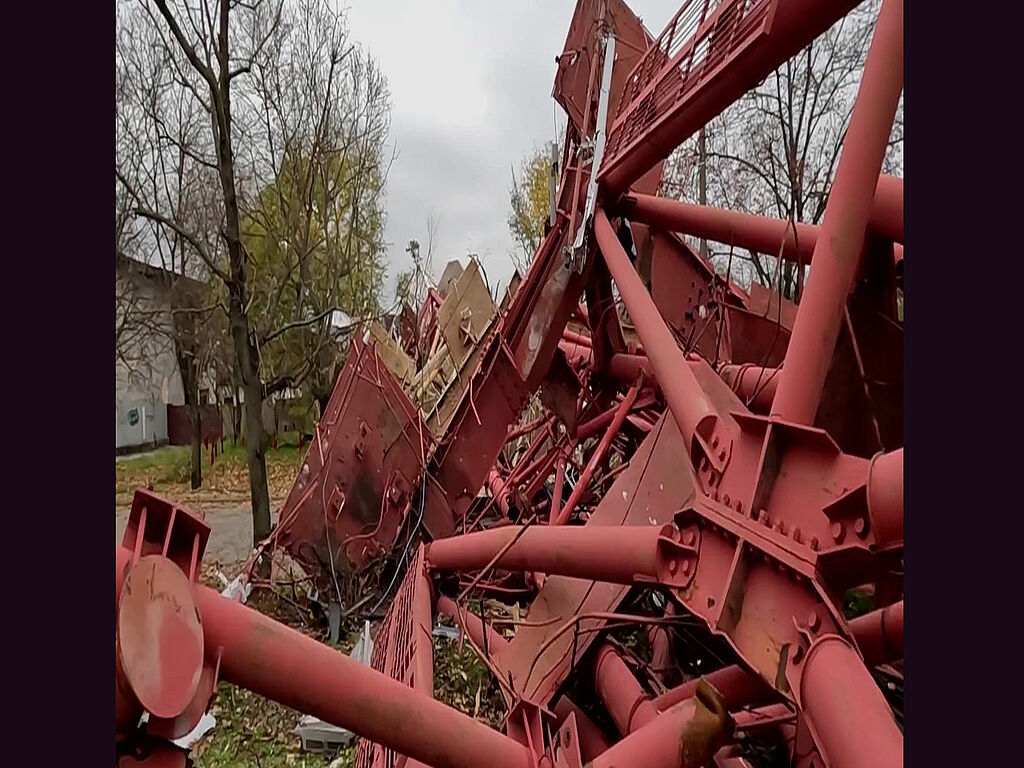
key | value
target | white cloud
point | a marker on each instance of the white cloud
(471, 95)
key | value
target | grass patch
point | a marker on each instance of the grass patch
(254, 731)
(169, 471)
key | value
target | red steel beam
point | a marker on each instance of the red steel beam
(626, 701)
(576, 338)
(616, 554)
(673, 739)
(683, 395)
(794, 24)
(738, 687)
(279, 663)
(592, 741)
(596, 457)
(879, 634)
(837, 252)
(556, 493)
(885, 497)
(759, 233)
(624, 367)
(472, 625)
(754, 384)
(836, 690)
(887, 209)
(496, 485)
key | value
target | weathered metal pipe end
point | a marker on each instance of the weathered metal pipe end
(159, 637)
(708, 731)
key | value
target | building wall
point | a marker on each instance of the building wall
(149, 380)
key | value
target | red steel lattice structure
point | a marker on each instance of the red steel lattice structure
(718, 471)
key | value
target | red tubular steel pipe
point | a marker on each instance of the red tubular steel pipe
(472, 625)
(576, 338)
(616, 554)
(592, 741)
(655, 745)
(760, 233)
(518, 472)
(836, 255)
(498, 489)
(738, 687)
(556, 494)
(851, 720)
(577, 355)
(745, 230)
(752, 381)
(683, 395)
(526, 428)
(625, 368)
(885, 497)
(879, 634)
(887, 209)
(596, 424)
(279, 663)
(596, 457)
(626, 701)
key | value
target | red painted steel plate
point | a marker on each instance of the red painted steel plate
(159, 636)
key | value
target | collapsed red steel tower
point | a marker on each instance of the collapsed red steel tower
(724, 462)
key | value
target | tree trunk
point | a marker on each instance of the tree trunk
(197, 444)
(190, 384)
(255, 440)
(236, 418)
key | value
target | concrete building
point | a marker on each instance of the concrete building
(146, 368)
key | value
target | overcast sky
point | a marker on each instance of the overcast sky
(471, 87)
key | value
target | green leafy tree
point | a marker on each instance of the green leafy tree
(530, 205)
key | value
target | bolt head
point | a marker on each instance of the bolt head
(725, 499)
(798, 654)
(739, 506)
(714, 441)
(838, 532)
(689, 538)
(672, 566)
(814, 543)
(860, 525)
(721, 455)
(814, 622)
(686, 567)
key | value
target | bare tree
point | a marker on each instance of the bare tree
(161, 167)
(252, 143)
(199, 51)
(774, 152)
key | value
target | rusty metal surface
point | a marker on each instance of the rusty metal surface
(356, 484)
(669, 488)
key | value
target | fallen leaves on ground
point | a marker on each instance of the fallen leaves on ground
(168, 470)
